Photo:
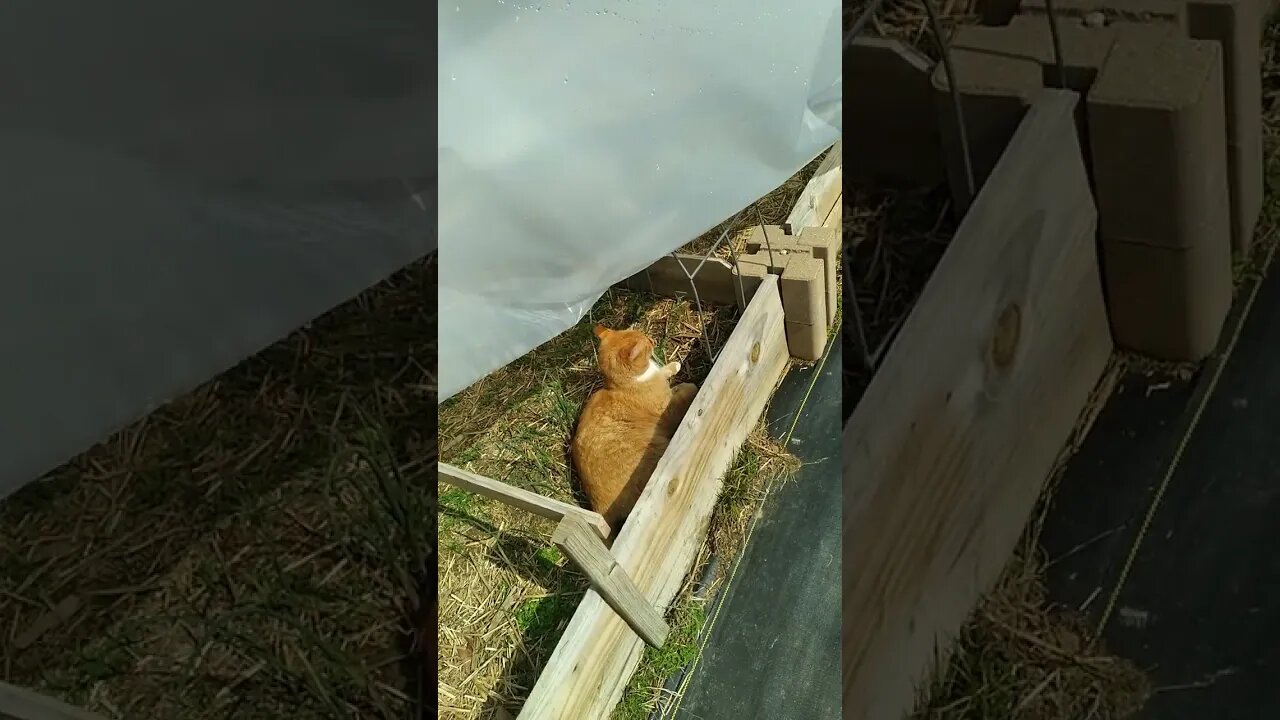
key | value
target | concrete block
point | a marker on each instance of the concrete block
(764, 237)
(1237, 26)
(1169, 303)
(1142, 11)
(822, 244)
(1156, 120)
(714, 278)
(801, 285)
(806, 342)
(803, 290)
(995, 90)
(751, 269)
(889, 117)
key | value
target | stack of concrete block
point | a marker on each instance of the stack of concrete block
(1171, 131)
(806, 265)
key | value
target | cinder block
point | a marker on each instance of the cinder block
(1169, 303)
(806, 342)
(751, 269)
(803, 295)
(889, 112)
(714, 278)
(1157, 121)
(822, 244)
(802, 288)
(1237, 26)
(995, 89)
(1142, 11)
(765, 237)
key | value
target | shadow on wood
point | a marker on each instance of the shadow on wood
(948, 450)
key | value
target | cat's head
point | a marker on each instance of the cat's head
(624, 355)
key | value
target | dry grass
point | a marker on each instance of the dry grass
(894, 238)
(505, 592)
(1022, 657)
(253, 549)
(907, 21)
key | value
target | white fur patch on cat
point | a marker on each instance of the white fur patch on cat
(655, 371)
(650, 372)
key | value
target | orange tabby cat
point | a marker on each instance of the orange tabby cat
(625, 426)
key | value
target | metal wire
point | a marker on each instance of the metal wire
(1057, 44)
(949, 67)
(692, 275)
(768, 245)
(871, 357)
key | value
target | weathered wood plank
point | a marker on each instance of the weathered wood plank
(819, 204)
(22, 704)
(523, 499)
(656, 547)
(949, 448)
(584, 547)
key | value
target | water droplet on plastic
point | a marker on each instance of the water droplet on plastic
(517, 18)
(653, 92)
(566, 79)
(455, 77)
(658, 168)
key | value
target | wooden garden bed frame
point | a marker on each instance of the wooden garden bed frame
(950, 446)
(639, 576)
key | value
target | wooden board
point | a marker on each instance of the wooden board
(585, 548)
(819, 205)
(523, 499)
(949, 448)
(589, 669)
(22, 704)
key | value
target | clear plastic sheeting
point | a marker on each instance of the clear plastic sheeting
(580, 140)
(182, 187)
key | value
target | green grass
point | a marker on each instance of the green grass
(658, 664)
(515, 426)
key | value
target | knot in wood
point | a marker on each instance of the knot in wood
(1004, 341)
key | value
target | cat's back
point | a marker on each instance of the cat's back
(616, 412)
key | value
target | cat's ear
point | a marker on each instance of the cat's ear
(635, 351)
(601, 331)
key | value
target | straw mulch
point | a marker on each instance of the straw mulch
(256, 548)
(505, 593)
